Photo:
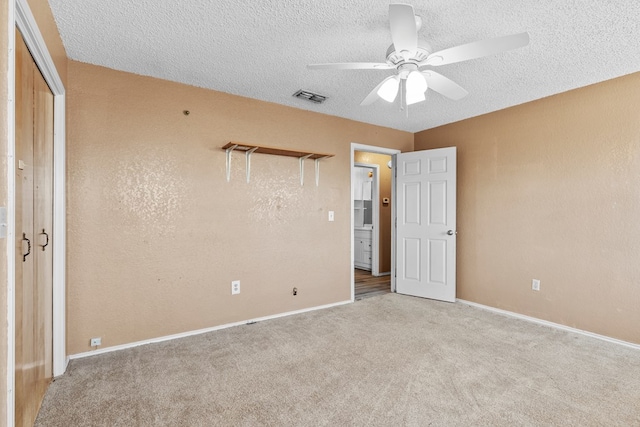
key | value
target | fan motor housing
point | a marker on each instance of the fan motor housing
(396, 58)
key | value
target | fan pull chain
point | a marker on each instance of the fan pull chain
(403, 88)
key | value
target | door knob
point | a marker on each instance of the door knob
(451, 232)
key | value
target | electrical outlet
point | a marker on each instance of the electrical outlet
(235, 287)
(535, 284)
(96, 342)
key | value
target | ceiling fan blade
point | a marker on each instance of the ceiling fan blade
(404, 30)
(477, 49)
(373, 95)
(444, 86)
(351, 66)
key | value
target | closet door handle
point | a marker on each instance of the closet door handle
(47, 242)
(24, 256)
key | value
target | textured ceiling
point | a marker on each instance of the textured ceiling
(260, 49)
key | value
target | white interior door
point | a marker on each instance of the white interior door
(426, 224)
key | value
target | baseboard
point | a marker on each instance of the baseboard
(550, 324)
(199, 331)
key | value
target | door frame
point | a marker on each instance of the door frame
(375, 215)
(21, 17)
(378, 150)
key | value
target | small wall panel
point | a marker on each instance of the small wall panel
(412, 259)
(412, 214)
(437, 261)
(437, 203)
(412, 168)
(437, 165)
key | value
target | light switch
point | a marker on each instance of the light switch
(331, 216)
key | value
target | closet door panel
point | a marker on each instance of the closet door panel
(25, 327)
(43, 224)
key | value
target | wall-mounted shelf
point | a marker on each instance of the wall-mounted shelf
(249, 149)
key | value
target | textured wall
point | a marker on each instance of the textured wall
(156, 234)
(385, 210)
(551, 190)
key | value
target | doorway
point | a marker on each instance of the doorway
(381, 232)
(365, 214)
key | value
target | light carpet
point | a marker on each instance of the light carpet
(390, 360)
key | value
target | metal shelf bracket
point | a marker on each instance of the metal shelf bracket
(228, 152)
(317, 161)
(302, 159)
(248, 154)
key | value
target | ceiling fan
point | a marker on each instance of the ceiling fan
(407, 55)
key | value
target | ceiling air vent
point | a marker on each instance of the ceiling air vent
(310, 96)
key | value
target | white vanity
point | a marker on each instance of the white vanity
(362, 248)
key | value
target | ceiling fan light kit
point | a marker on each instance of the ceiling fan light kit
(389, 89)
(416, 87)
(407, 55)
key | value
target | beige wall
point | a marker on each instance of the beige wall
(551, 190)
(385, 210)
(46, 24)
(156, 234)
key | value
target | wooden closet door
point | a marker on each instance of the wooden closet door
(33, 292)
(43, 222)
(25, 374)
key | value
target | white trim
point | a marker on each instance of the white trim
(33, 38)
(394, 220)
(351, 232)
(20, 16)
(60, 359)
(200, 331)
(375, 252)
(378, 150)
(549, 324)
(11, 211)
